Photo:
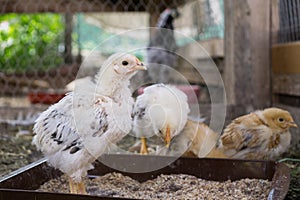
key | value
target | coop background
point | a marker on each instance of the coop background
(253, 43)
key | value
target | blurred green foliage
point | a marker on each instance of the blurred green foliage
(30, 42)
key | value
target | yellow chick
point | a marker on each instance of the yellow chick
(263, 134)
(195, 140)
(203, 141)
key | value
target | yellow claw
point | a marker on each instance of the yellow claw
(168, 136)
(144, 148)
(77, 188)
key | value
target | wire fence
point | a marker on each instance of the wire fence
(43, 43)
(289, 21)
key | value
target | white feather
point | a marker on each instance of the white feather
(160, 105)
(85, 82)
(78, 129)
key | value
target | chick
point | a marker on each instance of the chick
(195, 140)
(202, 142)
(263, 134)
(78, 129)
(161, 110)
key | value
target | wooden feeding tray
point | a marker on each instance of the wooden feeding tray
(22, 184)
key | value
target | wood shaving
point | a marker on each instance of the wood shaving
(175, 186)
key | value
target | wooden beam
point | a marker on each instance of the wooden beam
(274, 20)
(213, 47)
(286, 58)
(247, 53)
(286, 84)
(34, 6)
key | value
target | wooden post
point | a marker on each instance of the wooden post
(153, 18)
(274, 21)
(247, 71)
(68, 38)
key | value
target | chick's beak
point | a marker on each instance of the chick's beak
(139, 66)
(293, 124)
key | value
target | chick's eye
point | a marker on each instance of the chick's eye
(124, 63)
(280, 119)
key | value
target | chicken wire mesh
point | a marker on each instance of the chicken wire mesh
(43, 43)
(289, 21)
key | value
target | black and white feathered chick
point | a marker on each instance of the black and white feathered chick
(162, 47)
(79, 128)
(161, 110)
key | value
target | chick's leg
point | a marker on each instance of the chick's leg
(77, 188)
(72, 186)
(168, 136)
(81, 188)
(144, 148)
